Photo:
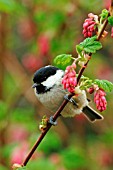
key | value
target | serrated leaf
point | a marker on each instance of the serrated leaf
(92, 48)
(104, 84)
(110, 20)
(63, 60)
(90, 45)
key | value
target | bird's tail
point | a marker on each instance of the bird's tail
(91, 114)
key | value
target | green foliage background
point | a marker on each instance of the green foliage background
(74, 144)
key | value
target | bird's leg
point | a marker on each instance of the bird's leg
(66, 97)
(52, 122)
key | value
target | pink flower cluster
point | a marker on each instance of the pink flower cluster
(100, 100)
(69, 80)
(88, 27)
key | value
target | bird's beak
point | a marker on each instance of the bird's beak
(34, 85)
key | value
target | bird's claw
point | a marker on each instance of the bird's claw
(52, 122)
(66, 97)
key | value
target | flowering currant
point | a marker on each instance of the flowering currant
(100, 100)
(88, 27)
(69, 80)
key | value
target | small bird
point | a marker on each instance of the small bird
(50, 92)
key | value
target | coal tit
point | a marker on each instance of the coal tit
(50, 92)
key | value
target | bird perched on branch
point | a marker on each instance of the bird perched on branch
(50, 92)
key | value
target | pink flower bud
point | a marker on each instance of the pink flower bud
(101, 103)
(84, 31)
(103, 98)
(100, 100)
(67, 85)
(97, 102)
(71, 74)
(88, 19)
(102, 93)
(89, 26)
(91, 23)
(69, 80)
(68, 68)
(99, 108)
(74, 65)
(63, 81)
(85, 25)
(90, 90)
(75, 82)
(91, 15)
(89, 34)
(71, 90)
(96, 97)
(65, 77)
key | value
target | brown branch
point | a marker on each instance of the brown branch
(57, 114)
(36, 145)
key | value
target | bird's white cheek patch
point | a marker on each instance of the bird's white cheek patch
(51, 81)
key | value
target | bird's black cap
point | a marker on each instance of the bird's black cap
(43, 73)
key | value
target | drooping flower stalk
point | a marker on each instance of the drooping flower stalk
(69, 80)
(89, 25)
(100, 100)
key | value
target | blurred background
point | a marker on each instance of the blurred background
(32, 33)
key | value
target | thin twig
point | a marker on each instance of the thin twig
(36, 145)
(57, 114)
(98, 38)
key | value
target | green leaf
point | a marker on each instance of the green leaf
(79, 49)
(110, 20)
(104, 14)
(63, 60)
(90, 45)
(104, 84)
